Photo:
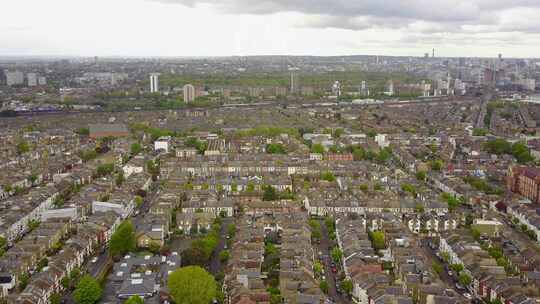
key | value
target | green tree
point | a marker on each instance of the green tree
(317, 268)
(328, 176)
(55, 298)
(83, 131)
(275, 149)
(378, 240)
(270, 194)
(138, 201)
(457, 267)
(436, 165)
(123, 239)
(23, 147)
(192, 285)
(324, 286)
(105, 169)
(134, 300)
(135, 149)
(347, 286)
(359, 153)
(438, 268)
(224, 256)
(88, 291)
(336, 254)
(421, 175)
(23, 281)
(464, 279)
(317, 148)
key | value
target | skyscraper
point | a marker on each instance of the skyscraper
(32, 79)
(295, 85)
(189, 93)
(154, 83)
(14, 78)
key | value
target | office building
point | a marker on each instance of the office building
(154, 83)
(189, 93)
(31, 79)
(14, 78)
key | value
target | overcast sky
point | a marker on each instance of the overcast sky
(270, 27)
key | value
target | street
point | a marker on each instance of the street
(325, 247)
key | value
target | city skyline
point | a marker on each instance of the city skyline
(144, 28)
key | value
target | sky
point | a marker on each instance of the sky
(472, 28)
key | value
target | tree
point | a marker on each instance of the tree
(135, 149)
(23, 281)
(436, 165)
(275, 149)
(317, 268)
(192, 285)
(317, 148)
(120, 178)
(378, 240)
(336, 254)
(270, 194)
(324, 286)
(134, 300)
(384, 155)
(82, 131)
(138, 201)
(23, 147)
(464, 279)
(123, 239)
(437, 267)
(88, 291)
(224, 256)
(328, 176)
(456, 267)
(105, 169)
(479, 132)
(421, 175)
(347, 286)
(359, 153)
(55, 298)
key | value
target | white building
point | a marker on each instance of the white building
(154, 83)
(163, 143)
(14, 78)
(32, 79)
(42, 80)
(380, 139)
(189, 93)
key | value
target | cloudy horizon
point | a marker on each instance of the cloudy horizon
(201, 28)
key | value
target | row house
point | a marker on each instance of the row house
(17, 212)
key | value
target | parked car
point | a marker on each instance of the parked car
(467, 296)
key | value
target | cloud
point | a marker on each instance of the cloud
(426, 16)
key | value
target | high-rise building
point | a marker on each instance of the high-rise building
(189, 93)
(14, 78)
(42, 80)
(32, 79)
(154, 83)
(336, 89)
(295, 85)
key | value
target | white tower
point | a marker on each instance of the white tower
(189, 93)
(154, 83)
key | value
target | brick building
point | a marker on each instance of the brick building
(525, 181)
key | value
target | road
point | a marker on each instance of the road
(215, 262)
(431, 256)
(323, 247)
